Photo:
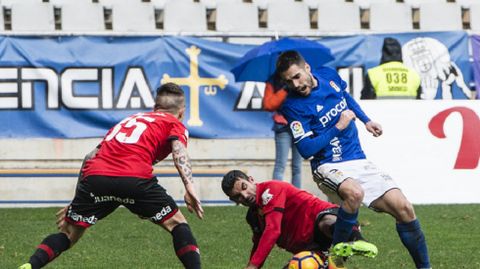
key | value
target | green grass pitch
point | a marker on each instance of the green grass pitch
(124, 241)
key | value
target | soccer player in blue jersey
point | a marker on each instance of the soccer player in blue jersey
(320, 114)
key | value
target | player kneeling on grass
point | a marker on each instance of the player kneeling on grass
(294, 219)
(120, 173)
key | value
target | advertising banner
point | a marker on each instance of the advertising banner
(80, 86)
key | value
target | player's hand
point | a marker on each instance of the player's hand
(61, 214)
(192, 202)
(374, 128)
(345, 118)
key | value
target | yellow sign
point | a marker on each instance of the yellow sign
(194, 81)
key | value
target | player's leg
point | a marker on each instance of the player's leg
(83, 212)
(356, 245)
(351, 193)
(55, 244)
(297, 162)
(283, 141)
(184, 242)
(396, 204)
(155, 204)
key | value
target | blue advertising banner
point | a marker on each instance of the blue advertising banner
(80, 86)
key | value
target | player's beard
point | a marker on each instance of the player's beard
(309, 84)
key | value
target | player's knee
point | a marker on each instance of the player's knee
(354, 196)
(406, 213)
(325, 226)
(351, 192)
(174, 221)
(74, 233)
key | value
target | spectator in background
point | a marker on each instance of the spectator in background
(273, 98)
(391, 79)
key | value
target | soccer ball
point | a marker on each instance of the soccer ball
(306, 260)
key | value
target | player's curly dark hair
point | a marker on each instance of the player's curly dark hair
(230, 178)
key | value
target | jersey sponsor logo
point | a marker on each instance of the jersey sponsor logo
(336, 149)
(319, 108)
(333, 112)
(266, 197)
(160, 215)
(334, 86)
(297, 129)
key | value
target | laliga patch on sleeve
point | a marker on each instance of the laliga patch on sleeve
(297, 129)
(334, 86)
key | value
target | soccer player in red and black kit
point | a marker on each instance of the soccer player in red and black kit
(281, 213)
(120, 173)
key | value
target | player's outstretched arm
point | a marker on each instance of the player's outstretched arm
(184, 168)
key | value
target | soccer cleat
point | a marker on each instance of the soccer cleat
(25, 266)
(360, 247)
(335, 262)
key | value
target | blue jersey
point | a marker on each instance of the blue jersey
(312, 121)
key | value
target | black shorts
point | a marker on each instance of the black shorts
(98, 196)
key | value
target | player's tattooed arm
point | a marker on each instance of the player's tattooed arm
(182, 161)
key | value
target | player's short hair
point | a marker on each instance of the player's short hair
(230, 178)
(170, 98)
(287, 59)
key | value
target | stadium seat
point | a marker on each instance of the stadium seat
(440, 17)
(329, 21)
(365, 4)
(467, 3)
(60, 3)
(81, 16)
(237, 17)
(211, 4)
(32, 16)
(312, 4)
(416, 3)
(475, 17)
(2, 22)
(110, 3)
(130, 17)
(9, 3)
(160, 4)
(184, 16)
(391, 17)
(284, 15)
(263, 4)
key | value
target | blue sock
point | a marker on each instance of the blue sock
(413, 239)
(343, 226)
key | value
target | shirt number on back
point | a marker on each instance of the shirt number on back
(126, 124)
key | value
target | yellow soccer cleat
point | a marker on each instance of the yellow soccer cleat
(25, 266)
(360, 247)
